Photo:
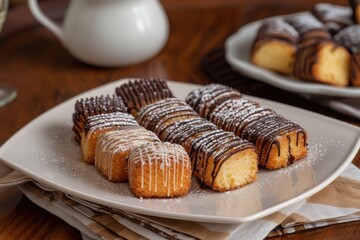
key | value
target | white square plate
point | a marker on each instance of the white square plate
(46, 151)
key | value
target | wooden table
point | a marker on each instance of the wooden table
(45, 74)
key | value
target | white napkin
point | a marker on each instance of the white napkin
(339, 202)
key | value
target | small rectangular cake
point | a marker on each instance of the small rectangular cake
(323, 62)
(350, 38)
(275, 46)
(334, 17)
(278, 141)
(159, 170)
(86, 107)
(113, 149)
(310, 29)
(139, 93)
(97, 124)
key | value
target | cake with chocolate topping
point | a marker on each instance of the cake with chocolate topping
(275, 46)
(220, 160)
(139, 93)
(350, 38)
(278, 141)
(325, 50)
(309, 28)
(113, 149)
(335, 17)
(159, 170)
(98, 124)
(323, 62)
(86, 107)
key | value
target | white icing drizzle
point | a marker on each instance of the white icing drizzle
(166, 157)
(115, 146)
(107, 120)
(248, 120)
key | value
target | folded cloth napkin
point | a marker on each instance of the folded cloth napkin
(337, 203)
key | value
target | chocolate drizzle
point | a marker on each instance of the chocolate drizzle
(276, 29)
(308, 26)
(248, 120)
(175, 121)
(204, 99)
(335, 17)
(142, 92)
(86, 107)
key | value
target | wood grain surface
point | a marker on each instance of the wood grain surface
(45, 74)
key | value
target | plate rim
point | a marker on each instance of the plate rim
(278, 80)
(186, 216)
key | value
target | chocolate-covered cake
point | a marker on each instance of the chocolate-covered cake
(350, 38)
(275, 46)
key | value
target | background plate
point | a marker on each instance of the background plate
(45, 150)
(237, 53)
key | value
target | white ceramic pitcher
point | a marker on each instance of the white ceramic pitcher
(110, 32)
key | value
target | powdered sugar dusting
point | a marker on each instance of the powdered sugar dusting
(350, 38)
(333, 13)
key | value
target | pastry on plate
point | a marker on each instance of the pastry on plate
(159, 170)
(275, 46)
(163, 113)
(220, 160)
(310, 29)
(335, 17)
(350, 38)
(86, 107)
(113, 149)
(97, 124)
(142, 92)
(323, 62)
(278, 141)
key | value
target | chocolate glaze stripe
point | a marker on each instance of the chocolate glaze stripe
(276, 29)
(195, 149)
(236, 145)
(86, 107)
(166, 129)
(178, 115)
(259, 125)
(151, 120)
(210, 95)
(187, 131)
(97, 105)
(157, 118)
(149, 115)
(143, 114)
(142, 92)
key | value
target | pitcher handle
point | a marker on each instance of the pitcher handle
(44, 20)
